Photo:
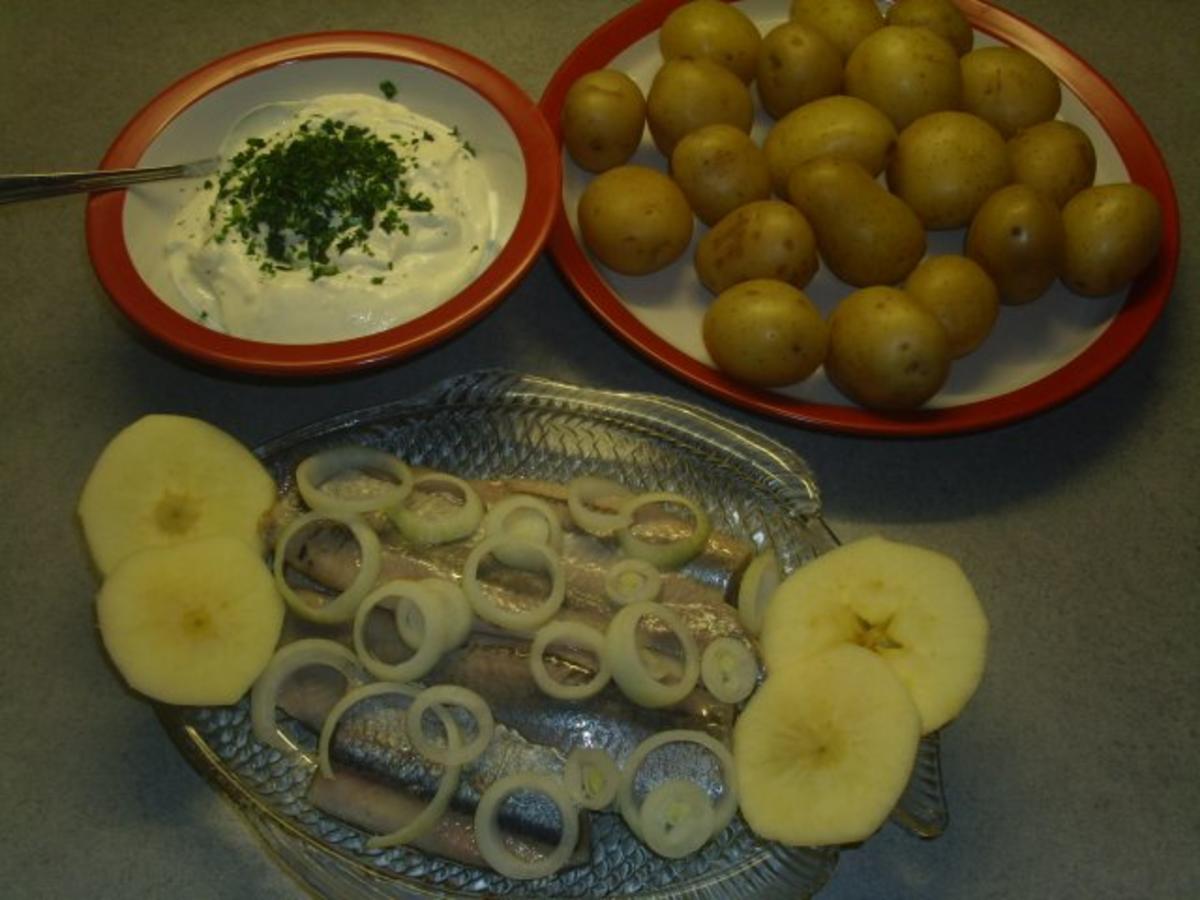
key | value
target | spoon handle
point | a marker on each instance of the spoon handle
(15, 188)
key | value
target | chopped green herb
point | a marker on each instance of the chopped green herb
(207, 183)
(387, 89)
(426, 136)
(378, 279)
(468, 148)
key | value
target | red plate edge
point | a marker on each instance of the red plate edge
(543, 166)
(1143, 304)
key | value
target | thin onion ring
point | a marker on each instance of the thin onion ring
(676, 818)
(591, 777)
(670, 554)
(458, 615)
(644, 575)
(491, 842)
(342, 607)
(728, 669)
(508, 516)
(601, 523)
(629, 670)
(757, 586)
(433, 639)
(580, 635)
(286, 661)
(320, 467)
(437, 697)
(486, 608)
(424, 527)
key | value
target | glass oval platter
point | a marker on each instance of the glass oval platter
(494, 424)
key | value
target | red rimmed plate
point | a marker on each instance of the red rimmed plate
(1039, 355)
(188, 120)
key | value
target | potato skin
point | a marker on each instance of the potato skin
(764, 239)
(905, 72)
(1017, 236)
(687, 94)
(635, 220)
(766, 333)
(886, 350)
(945, 165)
(603, 117)
(843, 22)
(720, 168)
(713, 30)
(833, 126)
(1009, 88)
(941, 17)
(961, 294)
(1055, 157)
(864, 234)
(796, 65)
(1113, 232)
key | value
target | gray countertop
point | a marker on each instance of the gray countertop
(1072, 773)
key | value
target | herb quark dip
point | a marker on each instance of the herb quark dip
(331, 219)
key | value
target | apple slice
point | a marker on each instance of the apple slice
(191, 623)
(912, 606)
(825, 748)
(166, 479)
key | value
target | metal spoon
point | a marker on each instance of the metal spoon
(15, 188)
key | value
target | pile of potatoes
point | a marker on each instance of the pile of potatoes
(885, 127)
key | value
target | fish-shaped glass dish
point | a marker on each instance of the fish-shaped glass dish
(497, 424)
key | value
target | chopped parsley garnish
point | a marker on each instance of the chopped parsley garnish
(378, 279)
(387, 89)
(319, 190)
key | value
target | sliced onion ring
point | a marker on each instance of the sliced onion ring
(729, 669)
(491, 841)
(342, 607)
(591, 777)
(632, 580)
(287, 661)
(485, 606)
(449, 695)
(424, 526)
(666, 554)
(576, 634)
(319, 468)
(524, 516)
(758, 584)
(458, 614)
(623, 653)
(676, 818)
(724, 808)
(429, 816)
(433, 635)
(586, 489)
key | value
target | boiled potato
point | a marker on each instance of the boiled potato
(941, 17)
(945, 165)
(905, 72)
(603, 117)
(796, 65)
(832, 126)
(720, 168)
(1055, 157)
(764, 239)
(687, 94)
(766, 333)
(864, 234)
(1009, 88)
(1017, 236)
(843, 22)
(886, 350)
(1112, 234)
(710, 29)
(635, 220)
(961, 294)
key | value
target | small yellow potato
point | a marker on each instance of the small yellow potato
(832, 126)
(864, 234)
(635, 220)
(1017, 236)
(1112, 235)
(886, 350)
(796, 65)
(905, 72)
(687, 94)
(603, 117)
(1055, 157)
(941, 17)
(766, 333)
(710, 29)
(843, 22)
(961, 294)
(764, 239)
(945, 165)
(720, 168)
(1009, 88)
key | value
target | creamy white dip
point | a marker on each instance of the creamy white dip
(386, 280)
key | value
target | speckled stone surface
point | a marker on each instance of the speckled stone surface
(1072, 775)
